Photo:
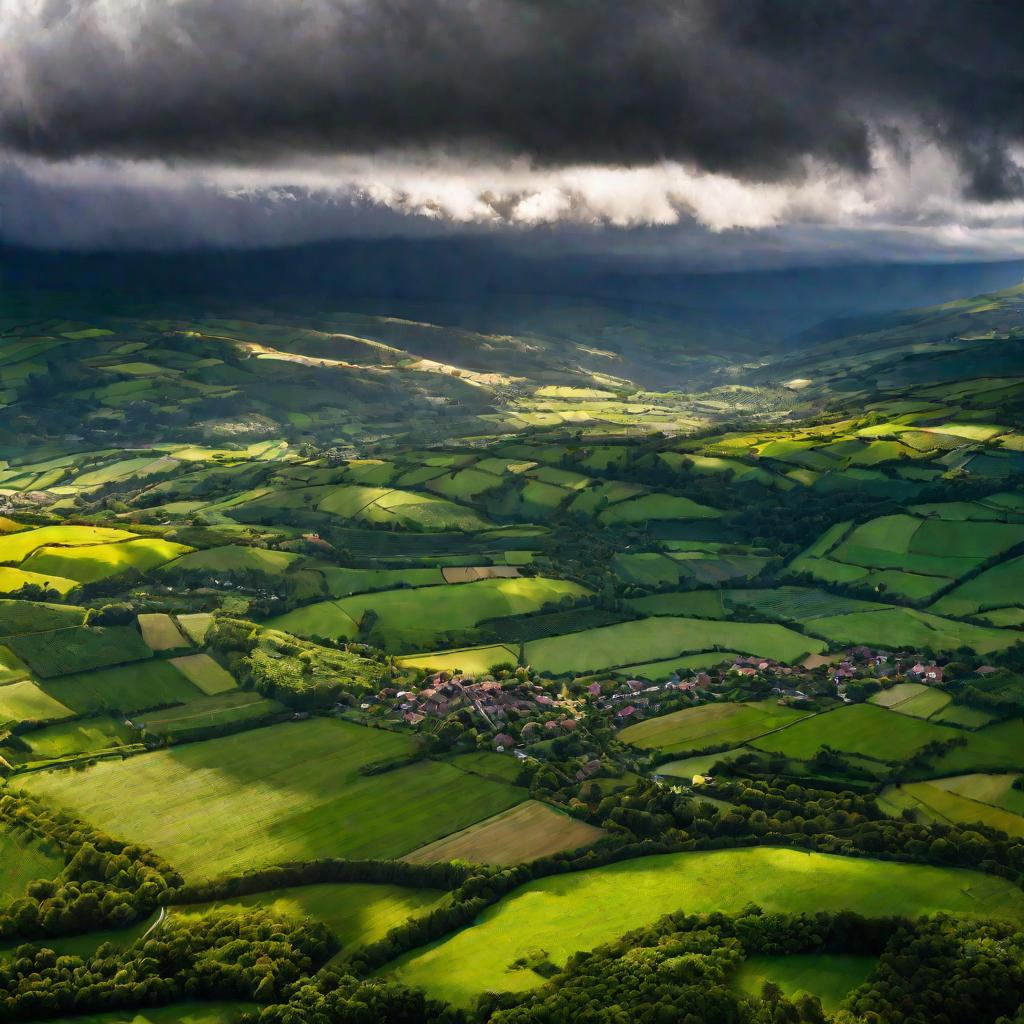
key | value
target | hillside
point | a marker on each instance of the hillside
(334, 644)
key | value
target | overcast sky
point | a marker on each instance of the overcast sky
(708, 131)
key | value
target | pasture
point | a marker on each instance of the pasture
(709, 725)
(997, 748)
(234, 558)
(474, 661)
(906, 627)
(656, 639)
(230, 708)
(571, 912)
(858, 729)
(12, 580)
(160, 633)
(175, 1013)
(415, 617)
(24, 858)
(516, 836)
(204, 673)
(357, 913)
(78, 649)
(656, 506)
(343, 582)
(127, 688)
(995, 790)
(196, 625)
(18, 617)
(88, 563)
(16, 547)
(287, 792)
(829, 976)
(78, 737)
(24, 701)
(940, 803)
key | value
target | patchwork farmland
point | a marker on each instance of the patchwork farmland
(445, 696)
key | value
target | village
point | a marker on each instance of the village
(518, 711)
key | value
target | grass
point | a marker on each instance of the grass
(26, 702)
(567, 913)
(127, 689)
(89, 563)
(999, 586)
(16, 547)
(235, 558)
(896, 695)
(343, 582)
(655, 670)
(78, 737)
(79, 649)
(12, 580)
(287, 792)
(925, 705)
(357, 913)
(938, 802)
(660, 638)
(858, 729)
(18, 617)
(996, 790)
(905, 627)
(516, 836)
(160, 632)
(703, 604)
(829, 976)
(656, 506)
(998, 747)
(470, 660)
(207, 712)
(709, 725)
(25, 858)
(11, 668)
(203, 672)
(196, 625)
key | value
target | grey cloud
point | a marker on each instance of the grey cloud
(749, 88)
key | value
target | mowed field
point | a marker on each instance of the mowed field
(520, 834)
(567, 913)
(939, 801)
(829, 976)
(23, 859)
(641, 641)
(858, 729)
(710, 725)
(287, 792)
(417, 615)
(355, 912)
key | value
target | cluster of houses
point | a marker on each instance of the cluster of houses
(495, 703)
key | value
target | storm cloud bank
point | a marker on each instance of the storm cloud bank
(730, 114)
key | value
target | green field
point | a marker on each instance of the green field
(204, 673)
(78, 737)
(628, 643)
(24, 858)
(416, 616)
(196, 625)
(88, 563)
(235, 558)
(16, 547)
(288, 792)
(516, 836)
(684, 662)
(997, 587)
(160, 632)
(343, 582)
(226, 708)
(997, 748)
(127, 688)
(858, 729)
(571, 912)
(35, 617)
(905, 627)
(938, 801)
(12, 580)
(25, 702)
(709, 725)
(656, 506)
(356, 913)
(829, 976)
(79, 649)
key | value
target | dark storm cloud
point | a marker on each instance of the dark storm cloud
(744, 87)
